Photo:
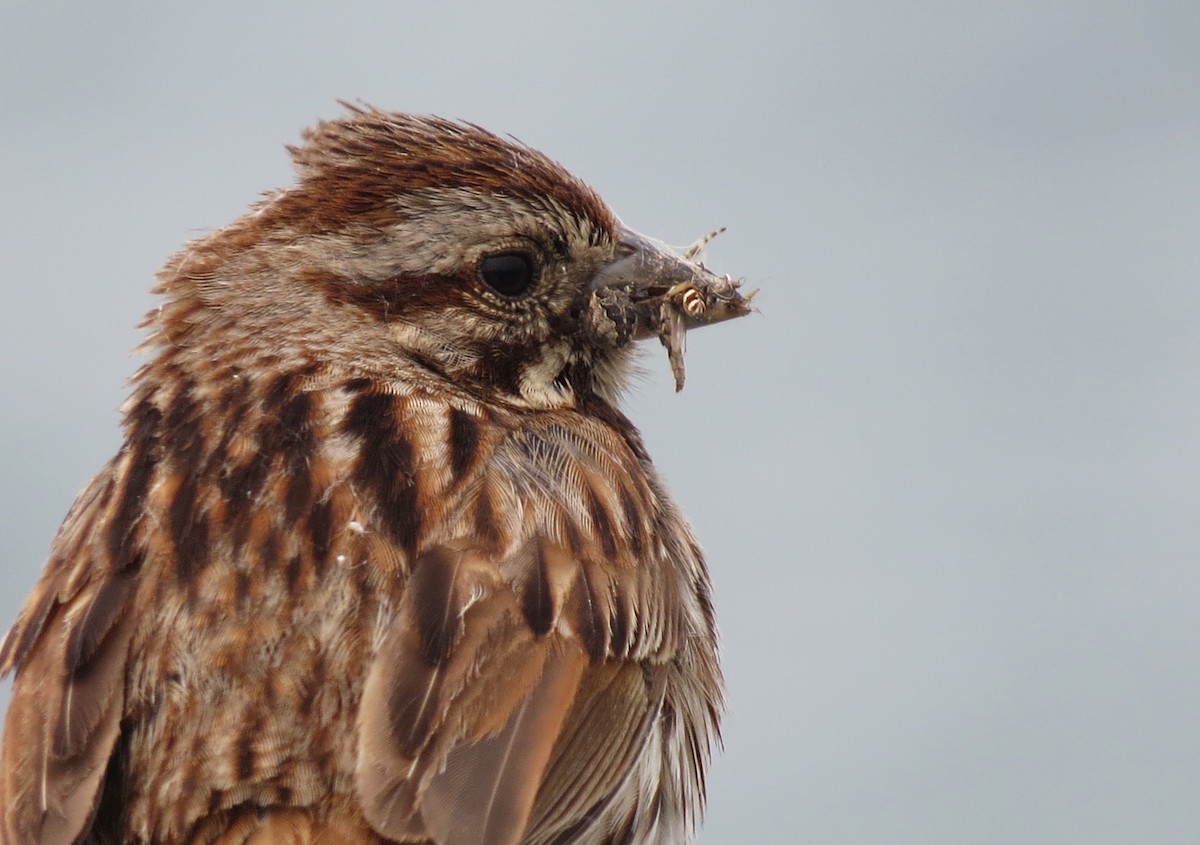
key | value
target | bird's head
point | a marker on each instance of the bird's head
(415, 242)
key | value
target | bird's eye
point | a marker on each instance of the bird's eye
(508, 273)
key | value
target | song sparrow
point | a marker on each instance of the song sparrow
(380, 559)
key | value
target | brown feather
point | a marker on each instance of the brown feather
(603, 733)
(53, 768)
(456, 669)
(484, 794)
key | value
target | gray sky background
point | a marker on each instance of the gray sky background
(949, 480)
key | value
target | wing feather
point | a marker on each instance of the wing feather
(487, 788)
(602, 736)
(67, 701)
(462, 699)
(69, 650)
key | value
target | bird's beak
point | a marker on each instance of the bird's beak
(663, 286)
(667, 293)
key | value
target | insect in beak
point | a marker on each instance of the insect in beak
(671, 293)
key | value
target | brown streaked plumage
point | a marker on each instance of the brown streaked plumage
(380, 558)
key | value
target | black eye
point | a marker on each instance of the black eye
(508, 273)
